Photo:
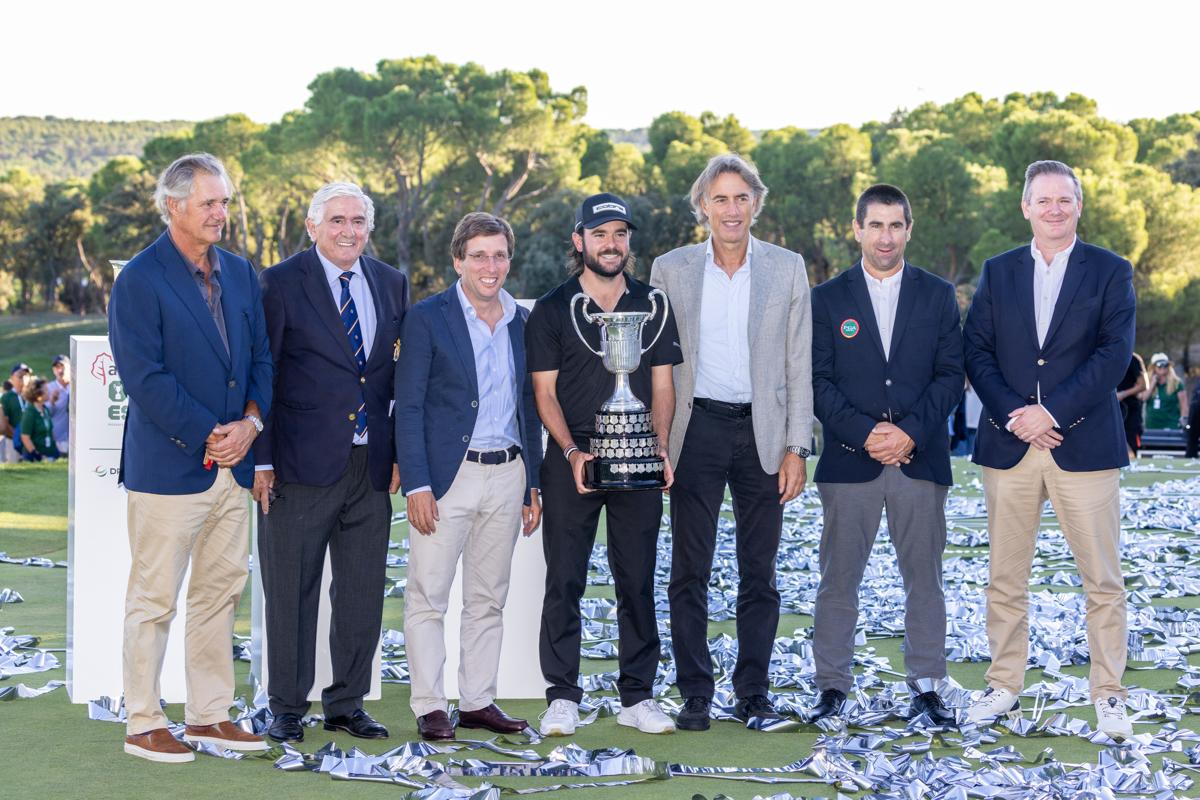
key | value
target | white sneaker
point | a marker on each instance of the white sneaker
(1110, 718)
(647, 717)
(560, 718)
(993, 703)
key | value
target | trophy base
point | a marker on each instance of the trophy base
(616, 476)
(626, 451)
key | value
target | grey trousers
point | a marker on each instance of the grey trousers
(916, 514)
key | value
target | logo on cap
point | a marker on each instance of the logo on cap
(599, 207)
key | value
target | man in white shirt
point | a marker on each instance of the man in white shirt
(887, 370)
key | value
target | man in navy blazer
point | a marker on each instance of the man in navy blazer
(326, 462)
(887, 371)
(469, 443)
(1048, 338)
(190, 344)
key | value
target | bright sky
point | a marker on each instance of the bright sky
(808, 64)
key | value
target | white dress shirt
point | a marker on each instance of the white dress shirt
(1047, 283)
(885, 298)
(723, 354)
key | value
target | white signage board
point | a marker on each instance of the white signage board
(98, 536)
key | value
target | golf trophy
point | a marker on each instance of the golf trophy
(625, 445)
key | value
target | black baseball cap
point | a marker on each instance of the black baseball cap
(601, 208)
(58, 359)
(19, 367)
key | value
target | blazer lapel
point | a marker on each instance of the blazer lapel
(866, 311)
(516, 336)
(317, 289)
(689, 296)
(452, 311)
(1070, 285)
(904, 307)
(1022, 278)
(379, 347)
(179, 277)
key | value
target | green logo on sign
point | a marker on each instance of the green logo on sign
(850, 328)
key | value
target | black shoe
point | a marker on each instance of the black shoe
(694, 714)
(756, 705)
(931, 704)
(286, 728)
(829, 704)
(357, 724)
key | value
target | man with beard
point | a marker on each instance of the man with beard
(887, 371)
(570, 384)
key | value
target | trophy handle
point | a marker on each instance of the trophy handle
(587, 317)
(654, 310)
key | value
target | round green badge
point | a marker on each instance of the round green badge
(850, 328)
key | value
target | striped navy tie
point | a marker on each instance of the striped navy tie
(349, 316)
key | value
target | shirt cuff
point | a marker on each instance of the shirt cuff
(264, 467)
(418, 490)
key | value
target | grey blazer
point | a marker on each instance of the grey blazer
(780, 344)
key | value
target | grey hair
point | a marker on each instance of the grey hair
(177, 180)
(1050, 168)
(316, 209)
(718, 166)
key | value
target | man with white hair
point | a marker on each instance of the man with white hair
(326, 462)
(189, 340)
(743, 419)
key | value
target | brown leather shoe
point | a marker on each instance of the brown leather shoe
(491, 718)
(224, 734)
(435, 725)
(158, 745)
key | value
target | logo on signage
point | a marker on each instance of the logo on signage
(103, 368)
(106, 472)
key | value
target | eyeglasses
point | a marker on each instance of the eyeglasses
(481, 258)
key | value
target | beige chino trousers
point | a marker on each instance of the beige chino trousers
(480, 520)
(1089, 513)
(209, 531)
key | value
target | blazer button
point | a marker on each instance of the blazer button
(887, 382)
(362, 379)
(474, 404)
(352, 416)
(1041, 362)
(232, 383)
(466, 438)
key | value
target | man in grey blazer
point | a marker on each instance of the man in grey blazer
(743, 418)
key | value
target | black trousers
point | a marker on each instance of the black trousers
(569, 521)
(353, 521)
(719, 450)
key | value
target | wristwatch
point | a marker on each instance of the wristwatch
(255, 421)
(803, 452)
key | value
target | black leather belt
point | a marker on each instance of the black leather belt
(736, 410)
(493, 457)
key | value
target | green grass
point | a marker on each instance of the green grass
(53, 750)
(36, 339)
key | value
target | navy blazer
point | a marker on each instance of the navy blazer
(1087, 350)
(318, 388)
(180, 379)
(437, 395)
(855, 387)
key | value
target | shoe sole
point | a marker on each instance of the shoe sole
(620, 721)
(1013, 714)
(480, 726)
(557, 731)
(161, 758)
(329, 727)
(693, 725)
(245, 747)
(281, 740)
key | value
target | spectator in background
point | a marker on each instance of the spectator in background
(1129, 395)
(12, 405)
(973, 407)
(37, 429)
(60, 402)
(1166, 399)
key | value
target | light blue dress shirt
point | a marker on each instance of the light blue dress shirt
(496, 419)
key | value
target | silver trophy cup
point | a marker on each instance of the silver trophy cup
(625, 446)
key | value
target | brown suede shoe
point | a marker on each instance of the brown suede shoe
(491, 718)
(435, 725)
(224, 734)
(158, 745)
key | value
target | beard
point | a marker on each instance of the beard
(592, 262)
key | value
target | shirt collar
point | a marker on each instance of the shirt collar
(333, 271)
(1059, 258)
(214, 261)
(887, 283)
(709, 258)
(506, 302)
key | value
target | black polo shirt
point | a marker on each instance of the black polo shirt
(583, 382)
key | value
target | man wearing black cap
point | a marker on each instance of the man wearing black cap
(11, 407)
(570, 384)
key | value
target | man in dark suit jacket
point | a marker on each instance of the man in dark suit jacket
(190, 344)
(887, 371)
(1048, 338)
(470, 447)
(326, 461)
